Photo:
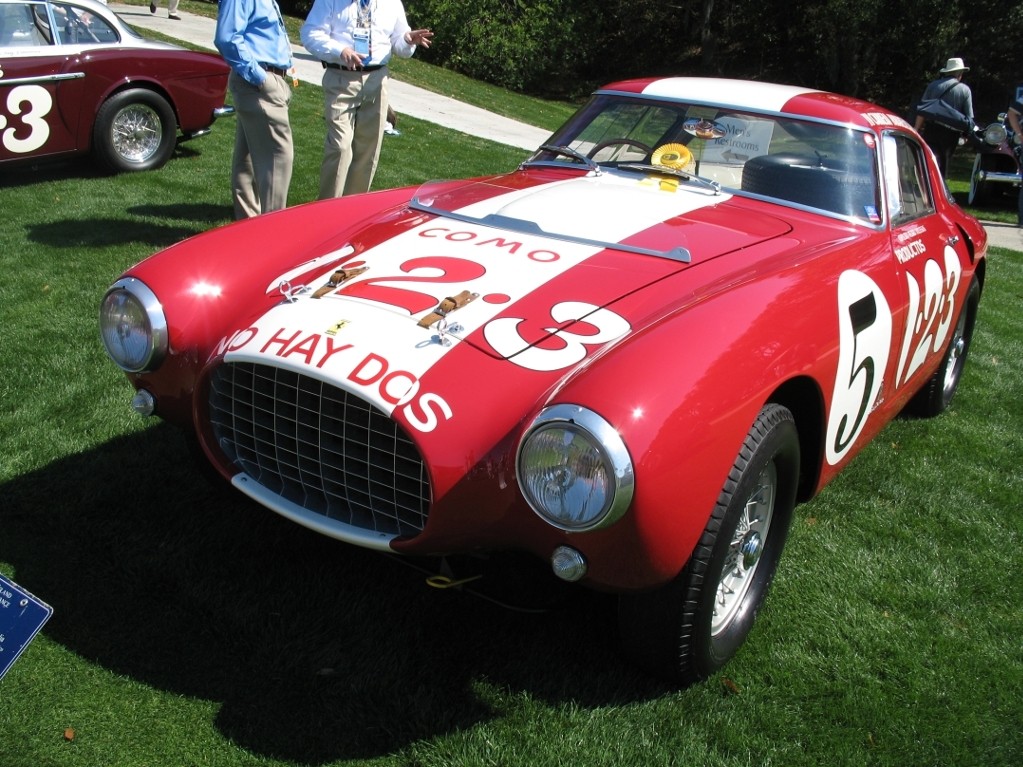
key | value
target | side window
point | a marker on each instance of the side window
(23, 24)
(905, 176)
(77, 26)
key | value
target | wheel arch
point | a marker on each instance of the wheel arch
(803, 398)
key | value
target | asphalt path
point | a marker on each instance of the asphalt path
(417, 102)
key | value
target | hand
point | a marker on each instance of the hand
(419, 37)
(351, 59)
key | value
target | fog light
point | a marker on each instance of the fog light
(143, 403)
(568, 564)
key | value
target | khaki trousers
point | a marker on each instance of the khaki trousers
(355, 112)
(263, 150)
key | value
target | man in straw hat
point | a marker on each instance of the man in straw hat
(951, 89)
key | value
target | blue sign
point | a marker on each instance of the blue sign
(21, 617)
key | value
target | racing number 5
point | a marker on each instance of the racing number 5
(865, 336)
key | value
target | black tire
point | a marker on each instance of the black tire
(980, 190)
(677, 632)
(135, 130)
(936, 394)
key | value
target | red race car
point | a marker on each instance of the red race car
(629, 358)
(75, 79)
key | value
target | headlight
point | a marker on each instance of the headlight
(133, 326)
(994, 134)
(574, 469)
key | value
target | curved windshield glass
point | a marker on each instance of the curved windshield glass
(823, 166)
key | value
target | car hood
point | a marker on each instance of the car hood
(501, 265)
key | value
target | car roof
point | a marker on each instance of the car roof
(90, 4)
(751, 95)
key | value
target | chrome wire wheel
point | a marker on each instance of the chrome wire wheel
(137, 132)
(691, 626)
(744, 551)
(956, 358)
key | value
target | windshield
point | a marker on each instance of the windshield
(818, 165)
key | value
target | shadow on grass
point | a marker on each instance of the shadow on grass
(104, 233)
(82, 167)
(317, 650)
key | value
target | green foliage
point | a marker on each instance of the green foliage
(865, 48)
(524, 46)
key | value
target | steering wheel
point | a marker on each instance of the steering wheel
(613, 141)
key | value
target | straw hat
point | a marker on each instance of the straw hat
(954, 65)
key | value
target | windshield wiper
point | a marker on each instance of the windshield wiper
(575, 155)
(714, 186)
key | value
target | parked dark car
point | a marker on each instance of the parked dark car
(996, 168)
(75, 79)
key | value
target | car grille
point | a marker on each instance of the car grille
(320, 447)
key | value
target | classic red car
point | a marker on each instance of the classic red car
(75, 79)
(630, 357)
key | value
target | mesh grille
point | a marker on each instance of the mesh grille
(320, 447)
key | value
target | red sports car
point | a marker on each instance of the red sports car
(629, 358)
(75, 79)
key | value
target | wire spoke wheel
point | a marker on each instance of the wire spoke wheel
(692, 626)
(744, 551)
(137, 132)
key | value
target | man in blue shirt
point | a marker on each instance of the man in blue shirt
(253, 41)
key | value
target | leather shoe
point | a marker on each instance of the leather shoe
(173, 16)
(152, 7)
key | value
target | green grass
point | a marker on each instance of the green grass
(192, 627)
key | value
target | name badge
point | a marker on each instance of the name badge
(361, 37)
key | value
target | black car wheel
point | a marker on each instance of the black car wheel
(135, 130)
(936, 394)
(980, 190)
(689, 628)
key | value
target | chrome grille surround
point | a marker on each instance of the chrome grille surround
(320, 447)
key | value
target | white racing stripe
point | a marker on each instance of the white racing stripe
(364, 337)
(768, 97)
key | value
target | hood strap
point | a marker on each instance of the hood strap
(445, 307)
(341, 275)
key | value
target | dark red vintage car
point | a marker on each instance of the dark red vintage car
(629, 358)
(996, 167)
(75, 79)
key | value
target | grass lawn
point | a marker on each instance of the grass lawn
(192, 627)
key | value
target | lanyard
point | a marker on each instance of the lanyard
(365, 12)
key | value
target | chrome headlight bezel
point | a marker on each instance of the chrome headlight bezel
(133, 326)
(604, 451)
(994, 134)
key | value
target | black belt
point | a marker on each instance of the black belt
(274, 70)
(370, 68)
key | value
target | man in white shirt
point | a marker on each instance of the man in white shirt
(354, 39)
